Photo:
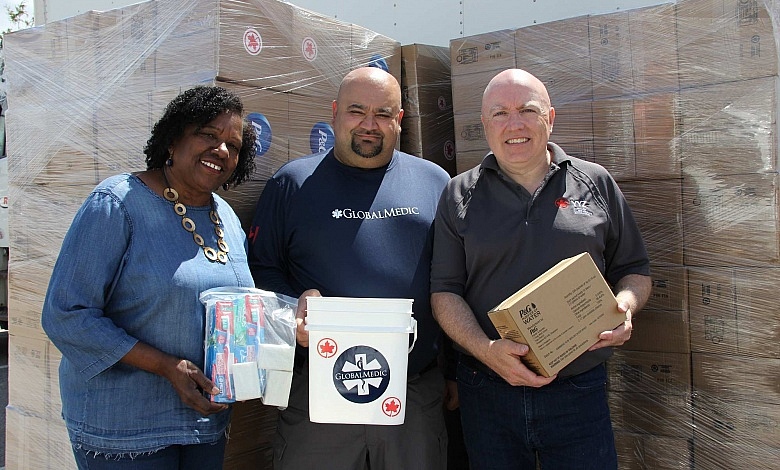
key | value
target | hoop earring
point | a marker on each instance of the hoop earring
(169, 162)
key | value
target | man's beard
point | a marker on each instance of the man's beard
(372, 151)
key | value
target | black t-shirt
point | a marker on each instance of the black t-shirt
(350, 232)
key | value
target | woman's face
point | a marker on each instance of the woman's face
(205, 158)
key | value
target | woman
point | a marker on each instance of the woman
(122, 304)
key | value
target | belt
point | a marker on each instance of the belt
(475, 364)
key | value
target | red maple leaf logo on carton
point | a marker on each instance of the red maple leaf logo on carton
(253, 42)
(327, 348)
(391, 406)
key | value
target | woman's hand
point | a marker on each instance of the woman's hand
(188, 381)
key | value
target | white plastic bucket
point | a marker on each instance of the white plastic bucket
(358, 305)
(358, 360)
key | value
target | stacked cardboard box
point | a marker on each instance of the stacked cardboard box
(427, 126)
(728, 146)
(679, 102)
(474, 61)
(83, 96)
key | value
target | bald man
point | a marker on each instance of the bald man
(526, 207)
(355, 221)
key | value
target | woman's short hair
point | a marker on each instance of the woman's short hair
(198, 106)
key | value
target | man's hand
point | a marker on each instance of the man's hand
(633, 290)
(300, 317)
(503, 357)
(451, 400)
(619, 335)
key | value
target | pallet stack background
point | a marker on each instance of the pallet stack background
(85, 93)
(678, 101)
(426, 98)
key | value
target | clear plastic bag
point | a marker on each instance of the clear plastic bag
(249, 343)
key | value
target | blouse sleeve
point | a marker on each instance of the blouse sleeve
(89, 264)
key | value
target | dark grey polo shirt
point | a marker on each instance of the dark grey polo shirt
(492, 237)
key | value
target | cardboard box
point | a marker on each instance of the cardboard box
(573, 129)
(747, 422)
(660, 331)
(652, 413)
(648, 451)
(724, 40)
(613, 136)
(257, 458)
(711, 452)
(559, 315)
(610, 55)
(726, 307)
(310, 127)
(738, 378)
(731, 220)
(659, 373)
(654, 48)
(34, 441)
(574, 125)
(670, 289)
(562, 65)
(489, 51)
(426, 83)
(371, 49)
(720, 121)
(470, 133)
(662, 230)
(656, 134)
(427, 128)
(633, 52)
(663, 324)
(467, 91)
(430, 137)
(582, 149)
(33, 369)
(252, 425)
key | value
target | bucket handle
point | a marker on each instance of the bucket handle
(413, 324)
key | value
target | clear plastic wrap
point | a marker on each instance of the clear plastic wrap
(679, 101)
(426, 98)
(83, 95)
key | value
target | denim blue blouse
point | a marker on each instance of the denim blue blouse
(127, 272)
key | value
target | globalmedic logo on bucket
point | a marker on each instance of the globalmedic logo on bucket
(361, 374)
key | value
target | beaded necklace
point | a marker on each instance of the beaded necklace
(189, 225)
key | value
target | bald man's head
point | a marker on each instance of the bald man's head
(367, 118)
(514, 78)
(372, 77)
(518, 120)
